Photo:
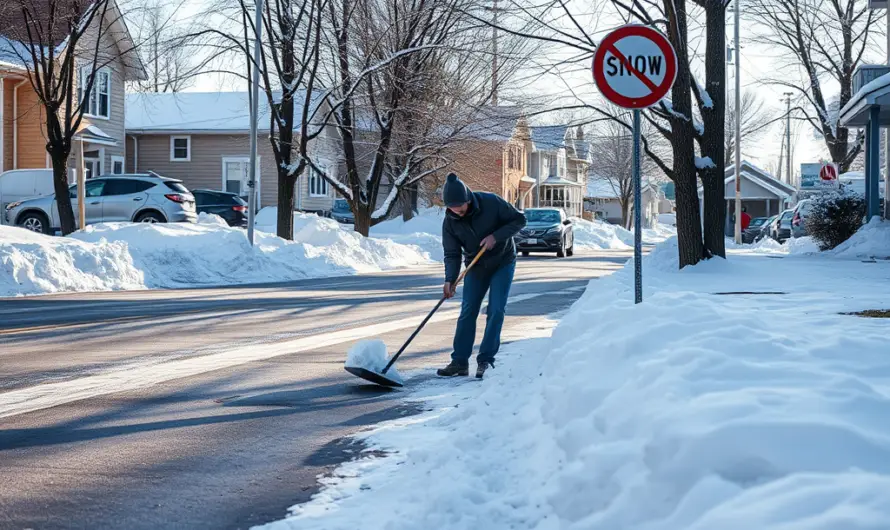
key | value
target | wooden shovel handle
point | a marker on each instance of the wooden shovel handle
(470, 266)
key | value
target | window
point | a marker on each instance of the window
(126, 186)
(99, 102)
(180, 148)
(117, 165)
(93, 189)
(318, 186)
(176, 186)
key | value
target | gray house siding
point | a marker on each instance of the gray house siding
(204, 170)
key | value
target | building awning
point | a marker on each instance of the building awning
(558, 181)
(94, 135)
(856, 112)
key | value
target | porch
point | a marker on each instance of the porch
(556, 192)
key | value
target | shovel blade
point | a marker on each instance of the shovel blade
(374, 377)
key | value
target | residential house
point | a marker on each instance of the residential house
(763, 195)
(99, 144)
(492, 156)
(601, 201)
(204, 140)
(558, 164)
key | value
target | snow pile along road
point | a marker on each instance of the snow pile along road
(424, 230)
(137, 256)
(600, 235)
(699, 409)
(34, 264)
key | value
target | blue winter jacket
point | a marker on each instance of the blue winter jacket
(489, 214)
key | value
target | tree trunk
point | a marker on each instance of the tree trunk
(625, 213)
(67, 221)
(286, 192)
(689, 232)
(713, 142)
(362, 220)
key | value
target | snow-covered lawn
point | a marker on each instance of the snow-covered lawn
(737, 396)
(138, 256)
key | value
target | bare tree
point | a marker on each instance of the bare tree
(756, 121)
(169, 64)
(612, 149)
(404, 91)
(824, 40)
(675, 119)
(63, 45)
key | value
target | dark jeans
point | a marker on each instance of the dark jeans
(476, 283)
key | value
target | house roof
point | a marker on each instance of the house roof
(15, 40)
(760, 177)
(548, 137)
(600, 187)
(195, 112)
(876, 92)
(493, 123)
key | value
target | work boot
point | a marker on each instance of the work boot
(454, 369)
(481, 367)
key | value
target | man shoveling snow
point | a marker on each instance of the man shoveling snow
(475, 220)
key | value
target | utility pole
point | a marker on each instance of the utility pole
(494, 49)
(254, 117)
(788, 137)
(886, 140)
(738, 129)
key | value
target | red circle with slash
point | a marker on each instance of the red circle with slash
(625, 61)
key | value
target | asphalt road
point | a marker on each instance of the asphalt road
(219, 407)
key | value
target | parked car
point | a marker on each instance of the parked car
(798, 218)
(546, 230)
(20, 184)
(764, 231)
(141, 198)
(231, 207)
(341, 212)
(781, 228)
(750, 235)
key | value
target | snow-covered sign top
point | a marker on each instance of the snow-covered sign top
(634, 66)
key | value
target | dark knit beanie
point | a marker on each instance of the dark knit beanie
(455, 192)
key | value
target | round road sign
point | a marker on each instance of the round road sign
(828, 172)
(634, 66)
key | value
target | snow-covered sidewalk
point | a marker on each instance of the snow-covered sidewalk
(740, 395)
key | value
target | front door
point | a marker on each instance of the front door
(236, 172)
(91, 167)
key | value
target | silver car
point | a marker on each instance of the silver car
(141, 198)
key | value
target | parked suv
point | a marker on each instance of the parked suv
(141, 198)
(546, 230)
(781, 227)
(341, 212)
(799, 217)
(231, 207)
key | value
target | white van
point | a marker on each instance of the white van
(19, 184)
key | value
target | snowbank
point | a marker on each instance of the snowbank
(871, 241)
(424, 230)
(600, 235)
(695, 410)
(137, 256)
(33, 264)
(669, 219)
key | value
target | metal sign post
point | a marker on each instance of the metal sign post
(634, 67)
(254, 112)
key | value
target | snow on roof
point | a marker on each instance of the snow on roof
(549, 137)
(493, 123)
(760, 176)
(600, 188)
(194, 111)
(878, 84)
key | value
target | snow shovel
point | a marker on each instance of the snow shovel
(381, 378)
